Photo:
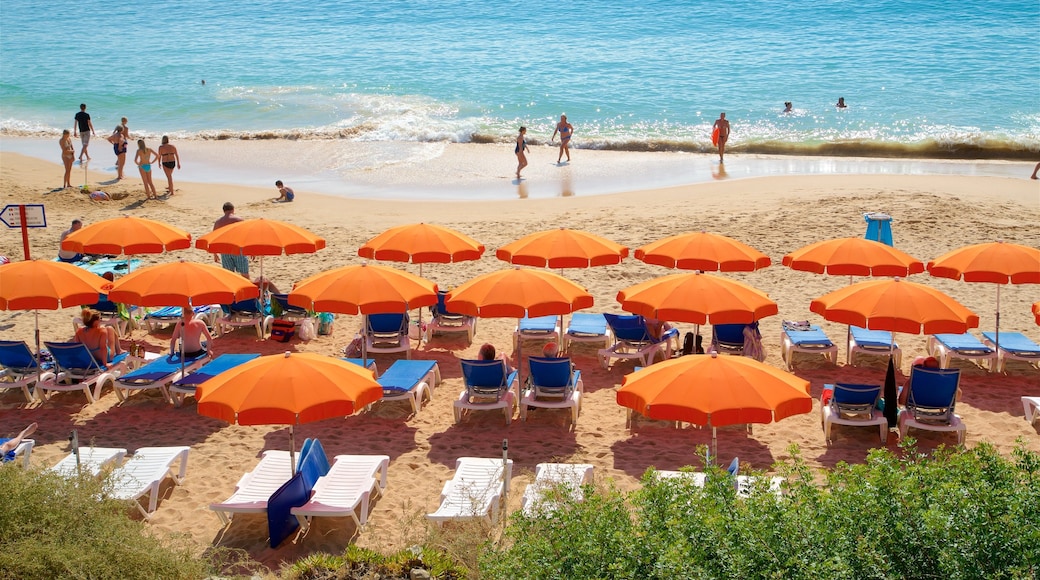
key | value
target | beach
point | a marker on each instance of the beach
(610, 193)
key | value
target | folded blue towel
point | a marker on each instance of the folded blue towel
(872, 338)
(963, 343)
(404, 375)
(814, 336)
(538, 324)
(1014, 342)
(587, 323)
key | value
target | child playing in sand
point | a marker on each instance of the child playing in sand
(285, 194)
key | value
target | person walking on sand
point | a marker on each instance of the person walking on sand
(119, 143)
(68, 156)
(1035, 170)
(169, 158)
(144, 159)
(566, 131)
(285, 194)
(722, 125)
(84, 128)
(521, 151)
(233, 262)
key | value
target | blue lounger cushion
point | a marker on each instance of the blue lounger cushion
(404, 375)
(814, 335)
(538, 324)
(1014, 342)
(218, 365)
(159, 369)
(871, 338)
(367, 363)
(587, 323)
(963, 343)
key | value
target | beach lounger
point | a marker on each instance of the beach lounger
(388, 333)
(698, 478)
(474, 492)
(747, 484)
(553, 384)
(290, 312)
(24, 448)
(255, 487)
(346, 490)
(553, 480)
(632, 340)
(810, 340)
(19, 368)
(588, 327)
(1013, 346)
(410, 380)
(368, 363)
(158, 374)
(1030, 407)
(727, 339)
(185, 387)
(444, 321)
(110, 316)
(92, 460)
(246, 313)
(930, 402)
(144, 473)
(947, 347)
(169, 315)
(78, 371)
(873, 343)
(853, 405)
(488, 387)
(537, 328)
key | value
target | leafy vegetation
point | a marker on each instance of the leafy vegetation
(954, 514)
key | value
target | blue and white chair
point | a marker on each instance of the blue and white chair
(947, 347)
(930, 402)
(78, 370)
(1013, 346)
(19, 368)
(854, 406)
(388, 333)
(246, 313)
(811, 340)
(410, 380)
(588, 327)
(488, 387)
(158, 374)
(632, 340)
(444, 321)
(873, 343)
(727, 339)
(552, 384)
(537, 328)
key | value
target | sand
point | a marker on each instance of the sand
(778, 214)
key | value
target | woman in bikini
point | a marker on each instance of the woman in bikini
(68, 156)
(566, 130)
(100, 340)
(118, 141)
(169, 158)
(521, 150)
(144, 159)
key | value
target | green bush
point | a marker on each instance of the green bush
(363, 563)
(57, 527)
(954, 514)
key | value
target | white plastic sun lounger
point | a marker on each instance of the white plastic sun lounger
(346, 490)
(1013, 346)
(551, 478)
(144, 473)
(1030, 407)
(255, 487)
(91, 460)
(25, 450)
(475, 491)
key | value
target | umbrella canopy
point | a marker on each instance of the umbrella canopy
(698, 298)
(516, 293)
(853, 257)
(182, 283)
(562, 248)
(127, 235)
(365, 289)
(422, 243)
(260, 237)
(715, 391)
(288, 389)
(46, 285)
(703, 251)
(895, 305)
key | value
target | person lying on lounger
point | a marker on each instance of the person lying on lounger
(7, 446)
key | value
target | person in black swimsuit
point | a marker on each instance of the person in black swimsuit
(118, 141)
(169, 158)
(521, 150)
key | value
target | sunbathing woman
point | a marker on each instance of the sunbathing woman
(100, 340)
(144, 159)
(7, 446)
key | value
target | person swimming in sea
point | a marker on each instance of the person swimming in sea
(566, 130)
(841, 103)
(521, 151)
(788, 107)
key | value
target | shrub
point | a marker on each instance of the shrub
(57, 527)
(954, 514)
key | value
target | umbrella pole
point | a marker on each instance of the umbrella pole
(993, 364)
(364, 341)
(39, 372)
(292, 449)
(714, 442)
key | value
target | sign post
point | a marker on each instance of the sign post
(24, 216)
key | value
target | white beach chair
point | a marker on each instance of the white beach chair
(550, 478)
(255, 487)
(410, 380)
(537, 328)
(474, 492)
(873, 343)
(19, 368)
(590, 327)
(92, 460)
(346, 490)
(24, 448)
(812, 340)
(144, 473)
(78, 371)
(1030, 407)
(855, 406)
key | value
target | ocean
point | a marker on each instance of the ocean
(930, 78)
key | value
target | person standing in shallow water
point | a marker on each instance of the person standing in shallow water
(566, 131)
(723, 126)
(521, 151)
(170, 159)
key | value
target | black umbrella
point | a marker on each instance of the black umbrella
(891, 395)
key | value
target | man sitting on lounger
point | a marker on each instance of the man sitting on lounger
(7, 446)
(924, 362)
(192, 330)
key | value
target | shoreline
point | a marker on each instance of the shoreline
(475, 171)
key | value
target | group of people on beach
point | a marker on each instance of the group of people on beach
(83, 127)
(564, 129)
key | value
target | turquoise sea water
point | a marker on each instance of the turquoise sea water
(923, 78)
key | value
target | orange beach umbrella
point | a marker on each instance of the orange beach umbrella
(288, 389)
(365, 289)
(703, 251)
(46, 285)
(422, 243)
(895, 305)
(516, 293)
(698, 298)
(562, 248)
(260, 237)
(127, 235)
(715, 391)
(853, 257)
(182, 283)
